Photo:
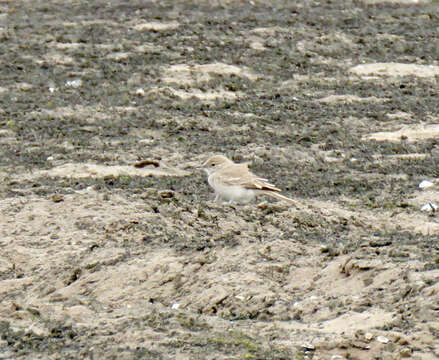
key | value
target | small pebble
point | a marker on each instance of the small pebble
(382, 339)
(368, 336)
(430, 207)
(74, 83)
(167, 194)
(425, 184)
(175, 306)
(24, 86)
(308, 346)
(405, 352)
(140, 92)
(324, 248)
(57, 198)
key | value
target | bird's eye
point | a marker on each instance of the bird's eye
(212, 165)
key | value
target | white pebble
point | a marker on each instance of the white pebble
(308, 346)
(368, 336)
(429, 207)
(74, 83)
(140, 92)
(146, 141)
(175, 306)
(50, 158)
(382, 339)
(425, 184)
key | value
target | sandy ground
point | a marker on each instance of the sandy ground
(111, 244)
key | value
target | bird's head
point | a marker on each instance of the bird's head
(214, 163)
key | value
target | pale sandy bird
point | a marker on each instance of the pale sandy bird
(235, 183)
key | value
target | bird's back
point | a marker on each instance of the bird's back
(239, 174)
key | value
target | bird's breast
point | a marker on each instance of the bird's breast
(236, 193)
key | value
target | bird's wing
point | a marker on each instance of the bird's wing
(279, 196)
(239, 174)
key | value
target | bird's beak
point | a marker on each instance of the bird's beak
(201, 167)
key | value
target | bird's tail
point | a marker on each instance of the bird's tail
(278, 196)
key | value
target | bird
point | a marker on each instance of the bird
(235, 183)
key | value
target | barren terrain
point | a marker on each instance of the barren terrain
(111, 244)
